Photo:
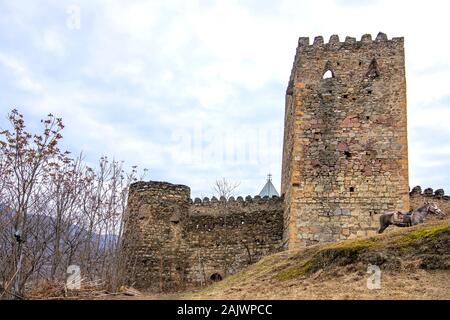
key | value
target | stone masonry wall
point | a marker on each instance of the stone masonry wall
(223, 237)
(154, 256)
(171, 242)
(345, 150)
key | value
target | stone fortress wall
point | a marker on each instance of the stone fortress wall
(171, 242)
(344, 162)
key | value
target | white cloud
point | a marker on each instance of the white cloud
(21, 74)
(52, 41)
(138, 72)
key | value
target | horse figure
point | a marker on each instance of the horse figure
(407, 219)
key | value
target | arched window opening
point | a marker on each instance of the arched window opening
(215, 277)
(328, 71)
(327, 75)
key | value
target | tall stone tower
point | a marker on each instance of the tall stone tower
(345, 155)
(153, 251)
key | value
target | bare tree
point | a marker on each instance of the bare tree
(56, 211)
(28, 158)
(224, 190)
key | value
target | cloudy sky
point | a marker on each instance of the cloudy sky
(194, 90)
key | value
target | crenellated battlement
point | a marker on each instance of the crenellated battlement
(334, 42)
(232, 200)
(248, 205)
(428, 192)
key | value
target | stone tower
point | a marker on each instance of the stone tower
(345, 155)
(154, 256)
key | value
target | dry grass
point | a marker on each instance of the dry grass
(56, 290)
(414, 261)
(415, 264)
(343, 285)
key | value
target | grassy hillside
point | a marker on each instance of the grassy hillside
(415, 264)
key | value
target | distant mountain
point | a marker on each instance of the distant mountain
(41, 229)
